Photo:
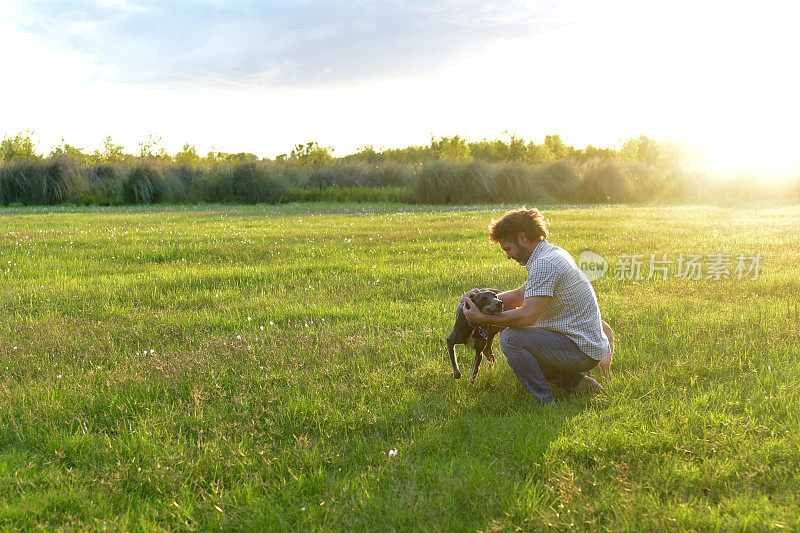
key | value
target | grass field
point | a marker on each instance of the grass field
(251, 368)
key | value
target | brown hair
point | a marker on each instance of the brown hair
(528, 221)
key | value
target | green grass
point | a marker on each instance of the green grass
(139, 392)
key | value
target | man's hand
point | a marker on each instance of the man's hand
(469, 295)
(471, 311)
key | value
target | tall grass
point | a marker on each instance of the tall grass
(104, 185)
(444, 182)
(349, 194)
(151, 180)
(40, 182)
(143, 185)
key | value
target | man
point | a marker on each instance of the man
(553, 328)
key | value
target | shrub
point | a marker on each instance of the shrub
(358, 174)
(604, 181)
(447, 181)
(104, 185)
(60, 181)
(393, 175)
(16, 177)
(353, 174)
(257, 182)
(560, 179)
(518, 182)
(214, 186)
(174, 189)
(142, 185)
(186, 173)
(40, 182)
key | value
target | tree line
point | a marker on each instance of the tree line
(447, 170)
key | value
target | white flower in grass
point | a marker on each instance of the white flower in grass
(261, 327)
(392, 452)
(249, 319)
(152, 351)
(271, 323)
(239, 337)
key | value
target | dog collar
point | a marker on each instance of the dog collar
(481, 329)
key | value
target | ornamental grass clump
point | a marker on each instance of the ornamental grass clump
(40, 182)
(449, 181)
(255, 183)
(143, 185)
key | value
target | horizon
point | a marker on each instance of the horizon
(263, 77)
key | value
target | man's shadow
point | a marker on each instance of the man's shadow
(465, 455)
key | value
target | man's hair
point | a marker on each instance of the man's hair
(528, 221)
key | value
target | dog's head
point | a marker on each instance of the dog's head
(487, 302)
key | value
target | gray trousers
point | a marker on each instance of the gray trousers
(538, 355)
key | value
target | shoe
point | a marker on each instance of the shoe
(586, 386)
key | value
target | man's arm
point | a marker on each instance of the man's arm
(527, 315)
(512, 299)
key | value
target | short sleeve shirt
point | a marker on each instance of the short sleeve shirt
(572, 308)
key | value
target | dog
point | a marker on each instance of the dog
(476, 336)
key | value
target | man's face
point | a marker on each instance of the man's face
(518, 250)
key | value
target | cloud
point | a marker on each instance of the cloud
(291, 43)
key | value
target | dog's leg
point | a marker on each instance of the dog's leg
(475, 364)
(452, 351)
(480, 344)
(605, 364)
(487, 351)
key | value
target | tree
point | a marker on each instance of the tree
(311, 154)
(112, 153)
(454, 148)
(151, 147)
(592, 152)
(556, 146)
(187, 156)
(21, 146)
(517, 150)
(366, 154)
(71, 152)
(514, 149)
(640, 149)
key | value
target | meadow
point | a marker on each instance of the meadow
(252, 367)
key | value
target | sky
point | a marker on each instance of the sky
(260, 77)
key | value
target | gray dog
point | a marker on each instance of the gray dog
(476, 336)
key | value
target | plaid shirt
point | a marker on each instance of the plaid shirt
(572, 309)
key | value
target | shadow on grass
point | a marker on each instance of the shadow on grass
(467, 458)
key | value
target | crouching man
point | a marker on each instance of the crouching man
(553, 332)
